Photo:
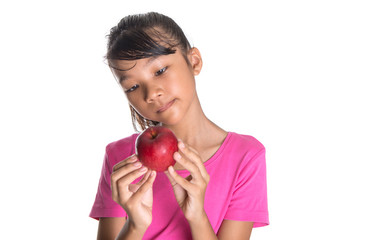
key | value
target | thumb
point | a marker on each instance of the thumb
(172, 180)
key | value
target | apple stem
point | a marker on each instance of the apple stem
(153, 133)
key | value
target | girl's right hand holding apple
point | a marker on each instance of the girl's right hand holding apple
(136, 199)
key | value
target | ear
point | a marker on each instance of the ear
(195, 60)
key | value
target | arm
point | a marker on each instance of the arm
(237, 230)
(109, 228)
(202, 229)
(117, 228)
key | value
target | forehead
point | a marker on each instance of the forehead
(126, 65)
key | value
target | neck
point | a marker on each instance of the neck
(195, 129)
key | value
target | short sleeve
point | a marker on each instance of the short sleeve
(249, 200)
(104, 206)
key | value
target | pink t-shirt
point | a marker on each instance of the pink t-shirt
(237, 189)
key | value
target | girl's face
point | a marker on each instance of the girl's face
(160, 88)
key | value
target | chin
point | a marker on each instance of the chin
(171, 117)
(174, 119)
(170, 122)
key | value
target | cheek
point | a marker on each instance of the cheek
(134, 102)
(182, 84)
(141, 111)
(188, 88)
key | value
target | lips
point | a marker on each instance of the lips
(166, 106)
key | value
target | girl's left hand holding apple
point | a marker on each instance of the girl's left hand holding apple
(189, 191)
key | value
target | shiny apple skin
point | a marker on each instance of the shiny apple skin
(155, 148)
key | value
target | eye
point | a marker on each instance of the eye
(161, 71)
(133, 88)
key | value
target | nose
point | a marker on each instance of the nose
(152, 93)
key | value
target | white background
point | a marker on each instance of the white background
(297, 75)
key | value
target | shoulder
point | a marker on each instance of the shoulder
(244, 151)
(245, 143)
(119, 150)
(122, 144)
(238, 151)
(248, 156)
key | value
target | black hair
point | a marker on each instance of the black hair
(142, 36)
(145, 35)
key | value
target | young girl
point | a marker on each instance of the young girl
(217, 189)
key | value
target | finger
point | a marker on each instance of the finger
(124, 170)
(191, 149)
(126, 161)
(144, 178)
(184, 161)
(120, 183)
(191, 161)
(172, 180)
(194, 156)
(123, 184)
(145, 187)
(135, 187)
(118, 174)
(177, 179)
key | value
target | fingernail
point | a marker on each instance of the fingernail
(143, 169)
(181, 145)
(177, 156)
(133, 158)
(137, 164)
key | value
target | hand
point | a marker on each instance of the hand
(189, 191)
(136, 199)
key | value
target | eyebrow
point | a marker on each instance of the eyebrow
(122, 78)
(149, 61)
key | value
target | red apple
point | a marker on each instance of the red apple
(155, 148)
